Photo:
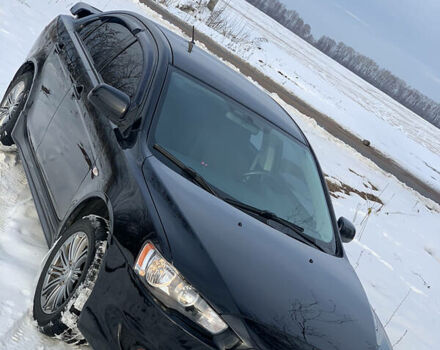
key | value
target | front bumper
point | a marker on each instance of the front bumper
(122, 314)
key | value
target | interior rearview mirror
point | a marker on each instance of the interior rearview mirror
(113, 103)
(346, 229)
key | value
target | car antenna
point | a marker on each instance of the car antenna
(192, 42)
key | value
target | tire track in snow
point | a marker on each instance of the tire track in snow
(22, 247)
(24, 335)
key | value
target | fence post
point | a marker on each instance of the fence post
(212, 4)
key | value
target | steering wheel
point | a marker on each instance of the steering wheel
(265, 178)
(261, 173)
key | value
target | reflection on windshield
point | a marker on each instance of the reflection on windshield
(243, 155)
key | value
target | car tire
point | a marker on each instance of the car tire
(12, 104)
(67, 279)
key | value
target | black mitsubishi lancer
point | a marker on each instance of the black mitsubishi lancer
(183, 207)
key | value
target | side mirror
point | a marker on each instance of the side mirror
(113, 103)
(346, 229)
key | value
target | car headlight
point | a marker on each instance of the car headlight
(168, 285)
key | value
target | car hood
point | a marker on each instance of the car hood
(274, 291)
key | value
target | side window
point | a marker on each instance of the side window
(104, 40)
(86, 29)
(116, 56)
(125, 70)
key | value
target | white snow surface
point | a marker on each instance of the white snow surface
(397, 250)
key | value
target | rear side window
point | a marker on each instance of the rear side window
(125, 70)
(104, 40)
(86, 29)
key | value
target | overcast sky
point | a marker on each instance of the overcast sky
(401, 35)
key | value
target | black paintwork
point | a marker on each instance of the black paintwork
(273, 291)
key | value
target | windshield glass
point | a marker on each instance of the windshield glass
(242, 155)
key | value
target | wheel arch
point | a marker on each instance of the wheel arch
(29, 65)
(94, 204)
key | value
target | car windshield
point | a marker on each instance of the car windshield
(242, 155)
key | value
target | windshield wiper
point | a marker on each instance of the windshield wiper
(272, 216)
(192, 174)
(265, 214)
(268, 215)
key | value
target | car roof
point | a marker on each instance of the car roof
(218, 75)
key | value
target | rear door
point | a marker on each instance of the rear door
(52, 85)
(92, 54)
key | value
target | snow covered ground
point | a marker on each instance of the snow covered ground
(396, 253)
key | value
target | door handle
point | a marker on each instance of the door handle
(59, 47)
(77, 90)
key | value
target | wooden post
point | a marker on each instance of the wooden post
(212, 4)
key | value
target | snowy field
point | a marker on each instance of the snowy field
(397, 250)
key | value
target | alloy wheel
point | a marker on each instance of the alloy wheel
(64, 271)
(11, 102)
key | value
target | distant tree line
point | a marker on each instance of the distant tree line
(361, 65)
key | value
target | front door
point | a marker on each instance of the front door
(66, 154)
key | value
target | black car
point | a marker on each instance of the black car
(183, 207)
